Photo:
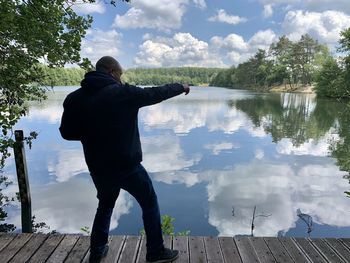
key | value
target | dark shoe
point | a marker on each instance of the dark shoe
(97, 257)
(166, 255)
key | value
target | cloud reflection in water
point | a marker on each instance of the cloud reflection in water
(278, 177)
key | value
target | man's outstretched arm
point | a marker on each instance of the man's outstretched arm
(149, 96)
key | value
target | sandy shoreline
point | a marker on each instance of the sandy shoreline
(295, 89)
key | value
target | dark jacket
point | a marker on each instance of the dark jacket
(102, 114)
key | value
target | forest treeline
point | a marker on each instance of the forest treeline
(293, 64)
(284, 63)
(138, 76)
(287, 63)
(157, 76)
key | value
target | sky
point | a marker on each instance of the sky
(205, 33)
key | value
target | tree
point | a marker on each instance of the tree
(299, 59)
(224, 78)
(333, 80)
(345, 47)
(32, 31)
(330, 81)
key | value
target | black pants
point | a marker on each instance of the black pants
(137, 182)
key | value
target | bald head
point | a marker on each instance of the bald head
(108, 64)
(111, 66)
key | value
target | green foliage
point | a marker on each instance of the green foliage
(138, 76)
(168, 227)
(289, 116)
(345, 45)
(38, 226)
(62, 76)
(159, 76)
(286, 62)
(85, 230)
(224, 78)
(330, 80)
(333, 79)
(4, 202)
(30, 32)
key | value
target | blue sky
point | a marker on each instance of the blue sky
(209, 33)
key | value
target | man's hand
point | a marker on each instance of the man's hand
(186, 88)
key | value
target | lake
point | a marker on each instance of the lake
(213, 156)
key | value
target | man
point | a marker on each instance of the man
(102, 114)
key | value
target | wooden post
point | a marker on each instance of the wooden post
(23, 184)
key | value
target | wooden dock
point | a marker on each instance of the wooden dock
(125, 249)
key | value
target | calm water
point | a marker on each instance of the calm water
(213, 155)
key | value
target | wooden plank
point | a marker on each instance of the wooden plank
(346, 242)
(339, 248)
(29, 248)
(212, 249)
(325, 250)
(197, 250)
(309, 250)
(293, 250)
(116, 244)
(246, 250)
(79, 250)
(63, 249)
(229, 250)
(46, 249)
(5, 239)
(14, 246)
(180, 243)
(141, 256)
(262, 250)
(168, 241)
(130, 249)
(278, 250)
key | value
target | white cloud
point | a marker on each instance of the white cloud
(238, 50)
(217, 148)
(311, 147)
(268, 11)
(163, 15)
(147, 36)
(181, 50)
(215, 116)
(314, 5)
(325, 26)
(276, 189)
(222, 16)
(259, 154)
(341, 5)
(69, 163)
(163, 153)
(168, 116)
(272, 2)
(210, 112)
(262, 39)
(52, 113)
(89, 8)
(53, 202)
(232, 41)
(99, 43)
(171, 177)
(200, 3)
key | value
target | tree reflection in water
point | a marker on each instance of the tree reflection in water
(301, 118)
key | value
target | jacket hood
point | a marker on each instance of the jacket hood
(97, 80)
